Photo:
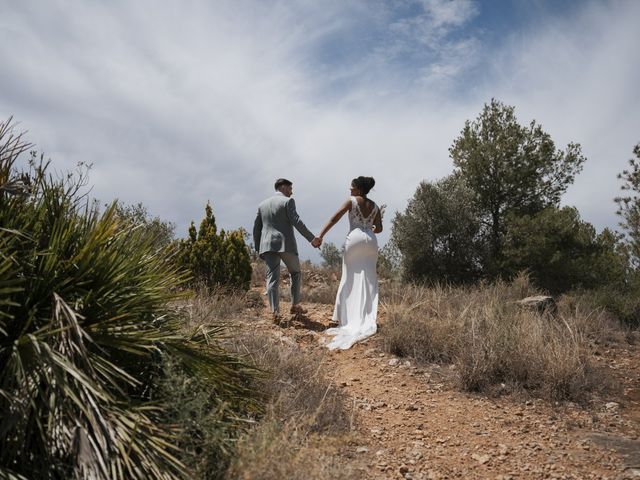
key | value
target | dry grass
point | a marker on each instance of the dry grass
(319, 284)
(303, 411)
(295, 386)
(277, 451)
(324, 293)
(496, 344)
(219, 305)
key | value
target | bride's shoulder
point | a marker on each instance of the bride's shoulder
(348, 203)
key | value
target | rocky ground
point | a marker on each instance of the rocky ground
(412, 422)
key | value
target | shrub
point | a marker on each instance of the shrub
(86, 318)
(331, 255)
(492, 341)
(160, 231)
(216, 259)
(561, 252)
(438, 234)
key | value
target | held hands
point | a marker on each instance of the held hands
(316, 242)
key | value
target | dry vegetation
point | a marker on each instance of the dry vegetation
(496, 345)
(301, 406)
(493, 346)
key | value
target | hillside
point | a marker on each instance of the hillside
(411, 421)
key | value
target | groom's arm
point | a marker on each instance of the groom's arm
(257, 231)
(295, 220)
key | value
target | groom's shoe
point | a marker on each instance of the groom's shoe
(298, 309)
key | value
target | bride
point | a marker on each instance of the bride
(357, 299)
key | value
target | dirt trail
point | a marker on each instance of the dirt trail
(413, 423)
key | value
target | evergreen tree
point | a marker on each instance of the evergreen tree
(438, 234)
(629, 205)
(562, 252)
(512, 169)
(216, 259)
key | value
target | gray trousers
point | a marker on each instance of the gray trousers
(292, 262)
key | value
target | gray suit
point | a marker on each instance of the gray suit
(275, 240)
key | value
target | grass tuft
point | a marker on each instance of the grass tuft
(495, 343)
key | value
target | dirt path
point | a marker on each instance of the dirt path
(413, 423)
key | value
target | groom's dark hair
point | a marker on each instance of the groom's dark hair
(282, 181)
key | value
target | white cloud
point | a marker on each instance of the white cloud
(450, 12)
(192, 101)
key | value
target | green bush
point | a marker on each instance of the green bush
(86, 319)
(160, 231)
(331, 255)
(216, 259)
(561, 252)
(438, 234)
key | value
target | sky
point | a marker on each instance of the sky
(180, 102)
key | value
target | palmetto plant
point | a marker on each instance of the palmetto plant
(85, 321)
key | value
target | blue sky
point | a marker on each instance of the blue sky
(180, 102)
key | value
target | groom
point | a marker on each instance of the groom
(274, 241)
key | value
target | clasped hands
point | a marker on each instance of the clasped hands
(316, 242)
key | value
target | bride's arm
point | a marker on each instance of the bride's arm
(377, 222)
(344, 208)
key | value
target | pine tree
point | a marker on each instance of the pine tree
(216, 258)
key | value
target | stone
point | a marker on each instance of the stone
(539, 303)
(362, 450)
(612, 406)
(503, 449)
(394, 362)
(481, 459)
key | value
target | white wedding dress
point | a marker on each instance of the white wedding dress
(357, 299)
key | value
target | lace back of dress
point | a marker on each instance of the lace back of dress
(357, 220)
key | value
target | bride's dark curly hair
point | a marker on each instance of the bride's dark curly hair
(364, 184)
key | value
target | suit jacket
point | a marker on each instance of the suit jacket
(273, 226)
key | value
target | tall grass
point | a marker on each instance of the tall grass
(86, 321)
(300, 406)
(493, 341)
(303, 407)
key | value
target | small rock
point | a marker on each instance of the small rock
(411, 408)
(612, 406)
(403, 469)
(481, 459)
(362, 450)
(394, 362)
